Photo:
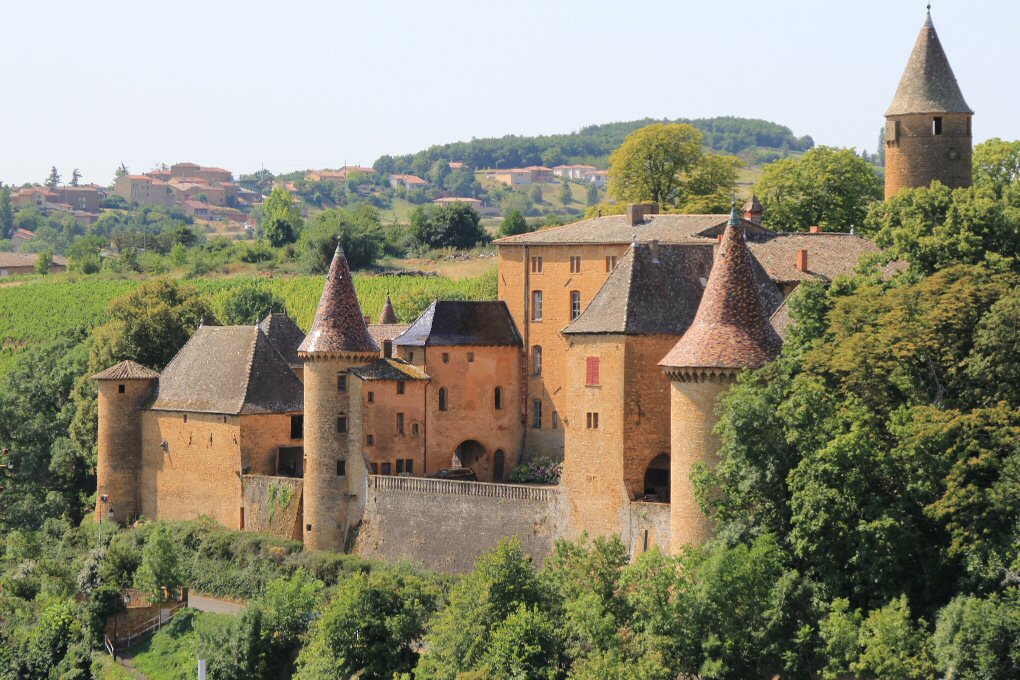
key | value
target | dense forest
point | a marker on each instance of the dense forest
(593, 144)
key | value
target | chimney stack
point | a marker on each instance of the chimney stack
(636, 212)
(802, 260)
(387, 349)
(753, 210)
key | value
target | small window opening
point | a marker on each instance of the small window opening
(371, 397)
(400, 387)
(297, 427)
(937, 125)
(499, 399)
(442, 399)
(387, 468)
(446, 357)
(471, 357)
(341, 382)
(341, 425)
(121, 389)
(593, 421)
(341, 468)
(400, 424)
(536, 414)
(370, 440)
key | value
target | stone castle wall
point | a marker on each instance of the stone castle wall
(446, 525)
(915, 156)
(273, 505)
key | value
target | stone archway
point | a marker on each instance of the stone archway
(656, 488)
(472, 454)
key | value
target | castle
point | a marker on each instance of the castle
(607, 349)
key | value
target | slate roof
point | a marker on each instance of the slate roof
(730, 329)
(232, 370)
(388, 315)
(390, 369)
(830, 255)
(127, 370)
(455, 322)
(285, 335)
(339, 325)
(928, 84)
(387, 331)
(618, 229)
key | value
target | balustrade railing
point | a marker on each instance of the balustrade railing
(459, 488)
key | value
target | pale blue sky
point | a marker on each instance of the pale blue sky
(308, 84)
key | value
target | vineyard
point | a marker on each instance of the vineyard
(40, 308)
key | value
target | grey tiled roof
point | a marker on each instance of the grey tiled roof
(829, 255)
(456, 322)
(233, 370)
(617, 229)
(387, 331)
(127, 370)
(390, 369)
(285, 335)
(928, 84)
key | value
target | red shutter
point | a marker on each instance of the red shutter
(593, 376)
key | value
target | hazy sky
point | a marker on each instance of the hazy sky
(304, 84)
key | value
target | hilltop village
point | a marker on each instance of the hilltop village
(607, 348)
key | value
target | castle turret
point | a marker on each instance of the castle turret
(334, 469)
(753, 210)
(730, 333)
(928, 127)
(388, 314)
(122, 391)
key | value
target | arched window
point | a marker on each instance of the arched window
(536, 360)
(442, 399)
(499, 398)
(657, 479)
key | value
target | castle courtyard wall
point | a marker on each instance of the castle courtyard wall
(262, 436)
(378, 418)
(646, 408)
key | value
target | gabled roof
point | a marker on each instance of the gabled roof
(829, 255)
(231, 370)
(388, 315)
(127, 370)
(28, 260)
(617, 229)
(731, 329)
(928, 84)
(339, 325)
(456, 322)
(285, 335)
(390, 369)
(387, 331)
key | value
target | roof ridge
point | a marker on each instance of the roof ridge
(250, 363)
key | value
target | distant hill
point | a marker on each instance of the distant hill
(757, 140)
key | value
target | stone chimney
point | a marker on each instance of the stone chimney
(802, 260)
(753, 210)
(636, 212)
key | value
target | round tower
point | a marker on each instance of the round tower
(730, 333)
(928, 132)
(335, 471)
(122, 391)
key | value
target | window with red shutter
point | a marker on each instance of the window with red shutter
(593, 376)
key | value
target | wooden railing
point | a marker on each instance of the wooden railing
(457, 488)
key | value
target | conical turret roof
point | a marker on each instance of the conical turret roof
(127, 370)
(339, 326)
(730, 329)
(388, 314)
(928, 84)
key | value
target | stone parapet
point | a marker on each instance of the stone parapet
(458, 488)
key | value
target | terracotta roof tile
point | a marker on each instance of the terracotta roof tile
(388, 315)
(730, 329)
(617, 229)
(127, 370)
(339, 326)
(830, 255)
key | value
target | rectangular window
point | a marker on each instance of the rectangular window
(409, 466)
(297, 427)
(341, 424)
(341, 382)
(556, 420)
(575, 264)
(373, 468)
(446, 357)
(371, 397)
(936, 126)
(400, 387)
(593, 421)
(536, 305)
(121, 389)
(536, 360)
(370, 440)
(610, 263)
(536, 414)
(387, 468)
(536, 265)
(471, 357)
(400, 465)
(575, 304)
(400, 424)
(593, 373)
(414, 429)
(341, 468)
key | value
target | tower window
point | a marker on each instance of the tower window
(936, 126)
(400, 424)
(536, 360)
(442, 399)
(446, 357)
(499, 398)
(556, 420)
(341, 382)
(400, 387)
(371, 397)
(575, 304)
(610, 263)
(297, 427)
(593, 373)
(536, 305)
(575, 264)
(341, 468)
(121, 389)
(341, 425)
(593, 421)
(370, 440)
(536, 414)
(536, 265)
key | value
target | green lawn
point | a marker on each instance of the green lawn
(172, 653)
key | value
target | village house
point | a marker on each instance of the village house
(12, 264)
(407, 182)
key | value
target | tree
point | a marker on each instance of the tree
(43, 262)
(650, 164)
(282, 218)
(881, 146)
(447, 226)
(250, 304)
(566, 196)
(826, 187)
(592, 194)
(526, 645)
(160, 572)
(535, 194)
(6, 213)
(357, 230)
(997, 165)
(893, 646)
(121, 171)
(978, 638)
(53, 181)
(513, 224)
(75, 177)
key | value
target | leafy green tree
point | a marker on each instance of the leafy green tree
(121, 171)
(566, 196)
(651, 163)
(513, 224)
(6, 213)
(894, 647)
(535, 194)
(438, 173)
(357, 230)
(462, 183)
(840, 631)
(370, 629)
(978, 638)
(161, 569)
(526, 645)
(881, 146)
(997, 166)
(827, 187)
(43, 262)
(53, 181)
(84, 254)
(75, 177)
(283, 219)
(248, 305)
(591, 194)
(447, 226)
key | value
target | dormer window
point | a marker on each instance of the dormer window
(936, 125)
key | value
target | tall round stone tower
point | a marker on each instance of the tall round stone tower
(122, 391)
(334, 468)
(928, 127)
(730, 333)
